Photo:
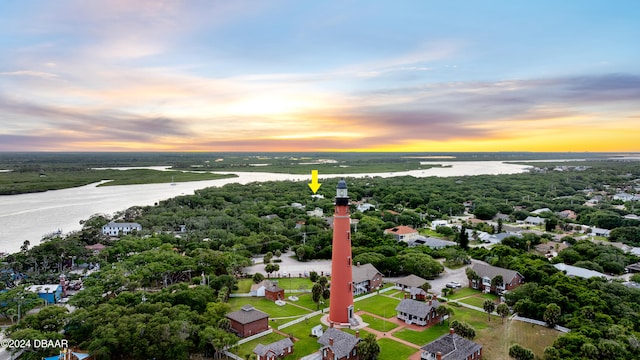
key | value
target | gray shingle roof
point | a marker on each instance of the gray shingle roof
(417, 291)
(411, 281)
(343, 342)
(364, 272)
(277, 347)
(452, 347)
(268, 286)
(247, 314)
(488, 271)
(418, 308)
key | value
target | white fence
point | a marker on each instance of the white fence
(302, 318)
(255, 336)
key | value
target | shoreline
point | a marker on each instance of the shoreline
(30, 216)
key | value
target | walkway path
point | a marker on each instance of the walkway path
(389, 334)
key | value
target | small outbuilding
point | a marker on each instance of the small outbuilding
(248, 321)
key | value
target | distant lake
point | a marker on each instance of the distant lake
(30, 216)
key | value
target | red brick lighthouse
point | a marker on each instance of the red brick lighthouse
(341, 299)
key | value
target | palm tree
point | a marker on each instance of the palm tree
(502, 310)
(489, 306)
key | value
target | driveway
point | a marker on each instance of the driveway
(290, 265)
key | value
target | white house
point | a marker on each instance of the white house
(599, 232)
(402, 233)
(534, 220)
(115, 229)
(436, 223)
(317, 212)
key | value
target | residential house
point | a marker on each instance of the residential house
(534, 220)
(297, 205)
(431, 242)
(268, 290)
(409, 281)
(417, 312)
(365, 207)
(568, 214)
(275, 350)
(451, 347)
(497, 238)
(635, 267)
(485, 272)
(626, 197)
(540, 211)
(248, 321)
(339, 345)
(366, 278)
(52, 293)
(95, 248)
(117, 229)
(417, 293)
(402, 233)
(317, 212)
(500, 216)
(599, 232)
(436, 223)
(574, 271)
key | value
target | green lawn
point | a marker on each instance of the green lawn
(475, 318)
(305, 300)
(396, 294)
(244, 285)
(464, 292)
(379, 305)
(306, 343)
(294, 283)
(479, 300)
(393, 350)
(421, 338)
(267, 306)
(378, 324)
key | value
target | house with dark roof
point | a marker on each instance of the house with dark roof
(268, 290)
(417, 293)
(485, 273)
(417, 312)
(248, 321)
(402, 233)
(338, 345)
(274, 350)
(451, 346)
(366, 278)
(409, 281)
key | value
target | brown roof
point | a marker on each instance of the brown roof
(95, 247)
(247, 314)
(401, 230)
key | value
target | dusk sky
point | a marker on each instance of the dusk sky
(425, 76)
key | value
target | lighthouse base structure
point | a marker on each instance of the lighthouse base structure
(356, 323)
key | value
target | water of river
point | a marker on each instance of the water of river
(30, 216)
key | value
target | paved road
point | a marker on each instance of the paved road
(290, 265)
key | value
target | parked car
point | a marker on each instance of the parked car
(454, 285)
